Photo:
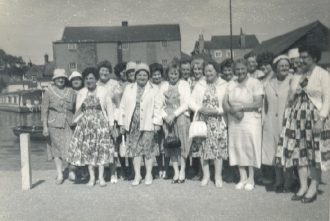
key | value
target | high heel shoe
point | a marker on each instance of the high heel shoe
(296, 197)
(309, 200)
(181, 181)
(137, 182)
(175, 181)
(204, 182)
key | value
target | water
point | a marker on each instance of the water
(9, 143)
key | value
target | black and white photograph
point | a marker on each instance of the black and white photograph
(164, 110)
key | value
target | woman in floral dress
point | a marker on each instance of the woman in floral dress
(207, 99)
(91, 143)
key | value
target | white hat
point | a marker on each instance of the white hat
(293, 53)
(142, 66)
(75, 74)
(130, 66)
(59, 73)
(280, 57)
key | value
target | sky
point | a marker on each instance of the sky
(28, 27)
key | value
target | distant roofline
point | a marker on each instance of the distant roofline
(92, 41)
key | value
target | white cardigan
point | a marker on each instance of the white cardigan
(150, 105)
(107, 106)
(184, 91)
(197, 95)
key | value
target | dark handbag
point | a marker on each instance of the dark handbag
(171, 141)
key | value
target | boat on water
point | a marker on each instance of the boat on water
(24, 101)
(34, 131)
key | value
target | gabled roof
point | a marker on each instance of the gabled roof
(137, 33)
(282, 43)
(223, 42)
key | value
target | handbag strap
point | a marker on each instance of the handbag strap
(195, 116)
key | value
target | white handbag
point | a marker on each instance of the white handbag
(197, 128)
(123, 147)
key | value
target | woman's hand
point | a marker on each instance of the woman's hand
(122, 130)
(170, 119)
(318, 127)
(157, 128)
(114, 132)
(45, 131)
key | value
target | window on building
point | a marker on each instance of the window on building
(164, 62)
(73, 66)
(218, 54)
(125, 46)
(164, 43)
(228, 54)
(72, 46)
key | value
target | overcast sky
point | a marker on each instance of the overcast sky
(28, 27)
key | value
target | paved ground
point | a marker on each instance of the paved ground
(161, 201)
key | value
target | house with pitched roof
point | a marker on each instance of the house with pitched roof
(81, 47)
(218, 48)
(314, 33)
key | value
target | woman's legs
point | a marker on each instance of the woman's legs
(160, 165)
(59, 169)
(206, 172)
(91, 171)
(316, 177)
(148, 178)
(182, 175)
(113, 171)
(101, 175)
(122, 167)
(175, 164)
(137, 170)
(251, 175)
(218, 172)
(72, 172)
(303, 176)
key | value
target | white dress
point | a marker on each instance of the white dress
(245, 135)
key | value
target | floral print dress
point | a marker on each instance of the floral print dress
(140, 143)
(91, 143)
(214, 146)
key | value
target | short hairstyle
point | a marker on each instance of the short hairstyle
(137, 72)
(265, 58)
(90, 70)
(196, 61)
(215, 65)
(120, 67)
(185, 61)
(104, 64)
(313, 50)
(240, 61)
(250, 54)
(156, 67)
(173, 65)
(228, 63)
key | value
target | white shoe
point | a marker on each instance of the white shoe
(218, 183)
(249, 187)
(240, 185)
(164, 174)
(205, 182)
(114, 179)
(136, 181)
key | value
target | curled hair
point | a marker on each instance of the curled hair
(228, 63)
(313, 51)
(240, 61)
(250, 54)
(215, 65)
(185, 61)
(265, 58)
(104, 64)
(90, 70)
(120, 67)
(173, 65)
(156, 67)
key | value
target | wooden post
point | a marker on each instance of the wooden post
(25, 161)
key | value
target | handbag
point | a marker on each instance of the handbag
(122, 147)
(197, 128)
(172, 141)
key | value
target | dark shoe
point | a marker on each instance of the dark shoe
(175, 181)
(279, 189)
(296, 197)
(181, 181)
(309, 200)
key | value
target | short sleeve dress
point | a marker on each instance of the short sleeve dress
(245, 135)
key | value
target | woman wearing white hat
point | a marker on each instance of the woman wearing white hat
(140, 117)
(56, 115)
(76, 81)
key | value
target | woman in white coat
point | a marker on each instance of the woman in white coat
(91, 143)
(139, 118)
(206, 100)
(175, 96)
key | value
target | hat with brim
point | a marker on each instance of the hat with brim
(59, 73)
(75, 74)
(281, 57)
(142, 67)
(293, 53)
(130, 66)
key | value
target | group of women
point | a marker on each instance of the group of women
(276, 119)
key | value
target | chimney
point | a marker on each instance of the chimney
(242, 39)
(201, 44)
(46, 58)
(124, 23)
